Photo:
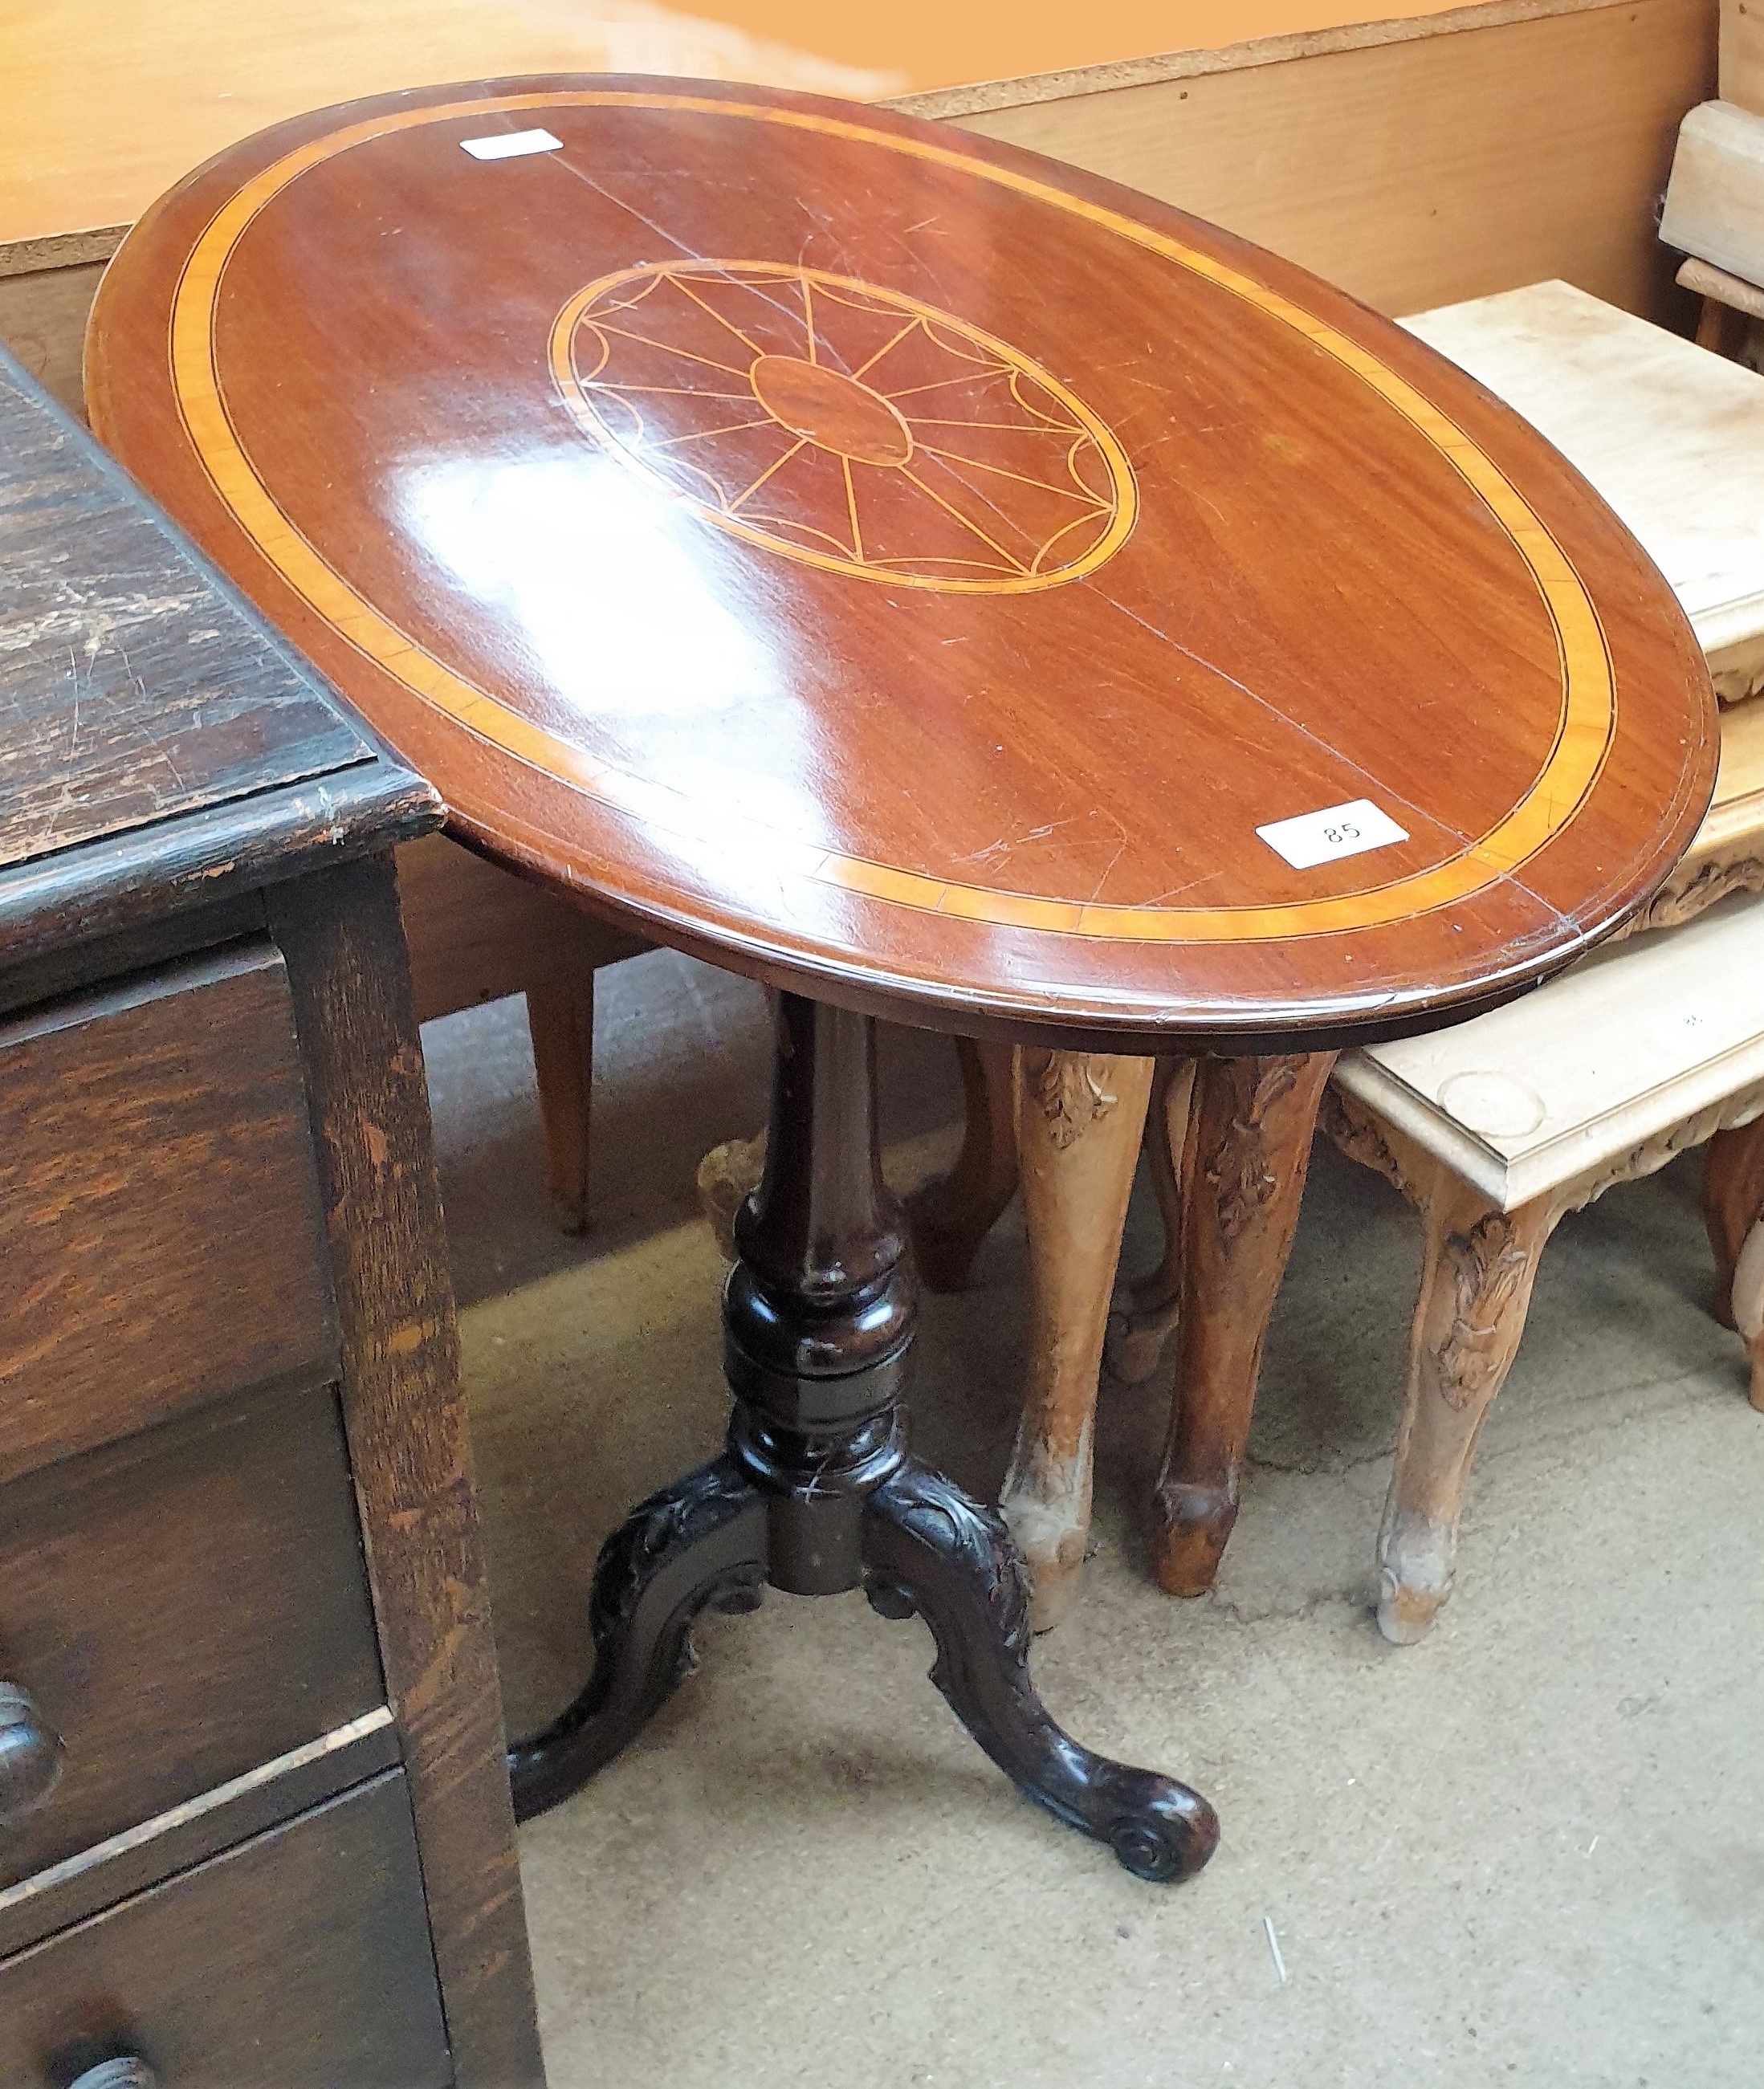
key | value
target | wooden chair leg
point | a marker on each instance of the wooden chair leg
(1145, 1310)
(1720, 327)
(1244, 1161)
(1733, 1211)
(1748, 1306)
(951, 1215)
(560, 1020)
(1475, 1289)
(1080, 1121)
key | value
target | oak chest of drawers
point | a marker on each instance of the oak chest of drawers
(254, 1828)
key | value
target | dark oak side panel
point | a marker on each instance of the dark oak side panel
(406, 1418)
(159, 1222)
(300, 1960)
(183, 1607)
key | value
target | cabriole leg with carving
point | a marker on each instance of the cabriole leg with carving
(815, 1492)
(951, 1215)
(1245, 1157)
(1145, 1309)
(1475, 1289)
(1733, 1209)
(1080, 1121)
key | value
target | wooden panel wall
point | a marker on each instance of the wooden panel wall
(1742, 54)
(1414, 163)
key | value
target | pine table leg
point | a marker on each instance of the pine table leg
(560, 1020)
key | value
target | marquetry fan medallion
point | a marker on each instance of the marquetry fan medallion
(851, 428)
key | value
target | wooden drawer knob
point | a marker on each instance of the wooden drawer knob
(125, 2072)
(30, 1753)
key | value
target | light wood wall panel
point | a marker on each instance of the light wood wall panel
(1415, 163)
(1412, 163)
(1742, 54)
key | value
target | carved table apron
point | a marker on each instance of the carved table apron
(944, 585)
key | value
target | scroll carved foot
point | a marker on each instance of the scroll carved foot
(929, 1548)
(699, 1544)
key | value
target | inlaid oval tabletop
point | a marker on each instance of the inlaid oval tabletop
(907, 569)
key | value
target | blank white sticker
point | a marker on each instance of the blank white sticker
(1336, 831)
(511, 144)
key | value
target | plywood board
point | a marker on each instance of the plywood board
(1415, 164)
(1742, 54)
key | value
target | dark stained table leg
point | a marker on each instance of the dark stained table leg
(816, 1494)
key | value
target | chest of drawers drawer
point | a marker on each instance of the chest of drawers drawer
(298, 1960)
(181, 1609)
(159, 1208)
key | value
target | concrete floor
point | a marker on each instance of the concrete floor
(1529, 1851)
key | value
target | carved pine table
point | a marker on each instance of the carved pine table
(947, 587)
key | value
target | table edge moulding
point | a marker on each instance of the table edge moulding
(985, 937)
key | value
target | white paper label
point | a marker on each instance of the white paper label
(1337, 831)
(511, 144)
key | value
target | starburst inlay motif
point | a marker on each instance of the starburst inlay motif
(853, 427)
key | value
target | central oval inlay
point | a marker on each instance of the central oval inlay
(830, 409)
(962, 465)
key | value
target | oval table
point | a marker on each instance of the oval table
(947, 587)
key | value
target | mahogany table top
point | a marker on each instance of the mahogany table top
(907, 569)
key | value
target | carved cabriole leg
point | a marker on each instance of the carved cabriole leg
(1748, 1306)
(1248, 1147)
(1080, 1121)
(1475, 1289)
(1733, 1211)
(951, 1215)
(816, 1494)
(1145, 1312)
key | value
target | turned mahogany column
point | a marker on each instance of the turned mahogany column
(815, 1492)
